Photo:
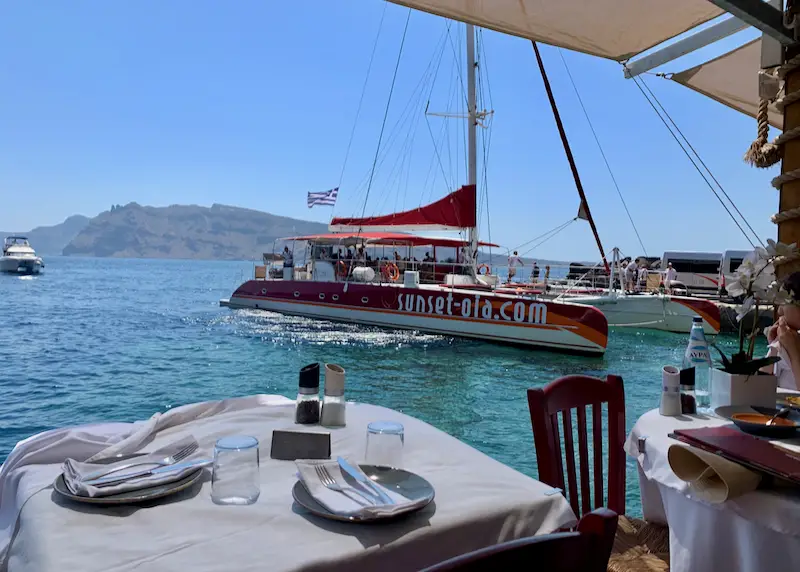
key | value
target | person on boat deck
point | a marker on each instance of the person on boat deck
(785, 333)
(535, 273)
(642, 285)
(349, 254)
(670, 276)
(288, 259)
(513, 262)
(631, 271)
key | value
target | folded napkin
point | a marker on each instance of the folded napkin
(711, 478)
(75, 472)
(350, 502)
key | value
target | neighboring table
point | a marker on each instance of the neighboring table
(757, 531)
(479, 502)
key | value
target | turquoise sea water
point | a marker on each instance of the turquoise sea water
(108, 339)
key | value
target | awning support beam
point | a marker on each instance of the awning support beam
(701, 39)
(760, 15)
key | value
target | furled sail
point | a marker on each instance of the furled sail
(456, 210)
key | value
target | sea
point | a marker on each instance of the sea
(99, 339)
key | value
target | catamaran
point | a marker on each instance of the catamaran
(453, 300)
(457, 303)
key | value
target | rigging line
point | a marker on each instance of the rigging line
(436, 150)
(363, 91)
(557, 231)
(457, 59)
(385, 115)
(485, 66)
(436, 155)
(405, 114)
(691, 159)
(699, 158)
(600, 147)
(534, 239)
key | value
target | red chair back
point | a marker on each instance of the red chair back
(576, 392)
(586, 550)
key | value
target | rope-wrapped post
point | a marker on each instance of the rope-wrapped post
(789, 227)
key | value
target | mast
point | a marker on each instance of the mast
(472, 147)
(584, 208)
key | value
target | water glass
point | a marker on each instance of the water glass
(235, 477)
(385, 440)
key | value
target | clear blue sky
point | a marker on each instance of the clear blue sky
(251, 103)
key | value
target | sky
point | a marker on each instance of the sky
(253, 104)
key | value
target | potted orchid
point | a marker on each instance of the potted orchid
(739, 380)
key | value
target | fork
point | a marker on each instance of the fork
(179, 455)
(329, 482)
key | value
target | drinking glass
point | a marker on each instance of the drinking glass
(385, 441)
(234, 479)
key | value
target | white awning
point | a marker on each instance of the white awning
(731, 79)
(613, 29)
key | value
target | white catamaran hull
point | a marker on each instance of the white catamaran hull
(658, 312)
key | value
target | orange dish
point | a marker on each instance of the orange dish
(758, 419)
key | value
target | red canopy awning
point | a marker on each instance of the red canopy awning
(385, 238)
(456, 210)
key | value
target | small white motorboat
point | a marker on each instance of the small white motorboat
(19, 257)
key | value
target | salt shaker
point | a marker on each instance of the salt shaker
(670, 391)
(333, 404)
(307, 408)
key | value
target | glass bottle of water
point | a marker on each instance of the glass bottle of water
(698, 357)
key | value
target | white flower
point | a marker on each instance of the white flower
(737, 285)
(775, 294)
(775, 249)
(762, 280)
(745, 308)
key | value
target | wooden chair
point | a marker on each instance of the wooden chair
(586, 550)
(638, 545)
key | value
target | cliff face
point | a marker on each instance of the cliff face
(52, 239)
(185, 231)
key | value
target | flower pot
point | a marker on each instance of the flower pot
(732, 389)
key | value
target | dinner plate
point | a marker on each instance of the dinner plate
(403, 482)
(128, 497)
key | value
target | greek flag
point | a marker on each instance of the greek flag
(327, 198)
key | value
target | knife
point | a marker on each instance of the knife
(177, 467)
(359, 476)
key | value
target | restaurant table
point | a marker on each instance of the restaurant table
(754, 532)
(479, 502)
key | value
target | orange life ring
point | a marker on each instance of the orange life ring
(484, 267)
(391, 271)
(341, 269)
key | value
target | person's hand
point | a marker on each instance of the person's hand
(789, 339)
(772, 331)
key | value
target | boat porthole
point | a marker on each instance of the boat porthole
(297, 294)
(335, 297)
(264, 291)
(321, 296)
(364, 300)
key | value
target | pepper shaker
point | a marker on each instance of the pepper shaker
(307, 408)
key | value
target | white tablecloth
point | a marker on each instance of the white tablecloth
(757, 531)
(479, 502)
